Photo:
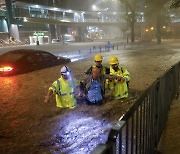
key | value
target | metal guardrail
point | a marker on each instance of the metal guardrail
(97, 49)
(139, 129)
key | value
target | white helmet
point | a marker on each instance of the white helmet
(65, 70)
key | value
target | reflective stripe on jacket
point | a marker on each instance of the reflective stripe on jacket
(119, 89)
(65, 92)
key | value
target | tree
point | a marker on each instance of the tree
(155, 14)
(130, 7)
(175, 4)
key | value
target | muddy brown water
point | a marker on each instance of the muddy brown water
(28, 125)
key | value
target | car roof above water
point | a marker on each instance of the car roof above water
(17, 54)
(26, 51)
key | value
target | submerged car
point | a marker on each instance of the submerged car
(22, 61)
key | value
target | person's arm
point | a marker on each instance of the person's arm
(78, 86)
(126, 74)
(115, 77)
(110, 76)
(107, 70)
(47, 97)
(83, 84)
(52, 89)
(88, 72)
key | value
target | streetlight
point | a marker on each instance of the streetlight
(106, 9)
(94, 7)
(25, 19)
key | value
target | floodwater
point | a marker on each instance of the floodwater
(28, 125)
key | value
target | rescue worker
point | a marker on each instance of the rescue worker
(94, 87)
(98, 62)
(65, 89)
(118, 86)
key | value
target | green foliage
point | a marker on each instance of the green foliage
(156, 15)
(130, 7)
(175, 4)
(156, 10)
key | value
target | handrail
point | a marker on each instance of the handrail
(140, 128)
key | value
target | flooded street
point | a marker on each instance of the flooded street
(28, 125)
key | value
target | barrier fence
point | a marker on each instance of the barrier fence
(139, 129)
(97, 49)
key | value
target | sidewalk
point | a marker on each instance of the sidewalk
(57, 47)
(170, 140)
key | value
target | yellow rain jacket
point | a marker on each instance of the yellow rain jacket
(119, 89)
(65, 92)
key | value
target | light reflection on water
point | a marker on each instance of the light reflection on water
(79, 134)
(8, 87)
(74, 57)
(10, 106)
(8, 81)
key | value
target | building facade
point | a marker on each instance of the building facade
(53, 20)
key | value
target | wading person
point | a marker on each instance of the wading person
(118, 86)
(65, 89)
(94, 86)
(98, 63)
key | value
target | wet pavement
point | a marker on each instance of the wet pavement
(27, 125)
(170, 140)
